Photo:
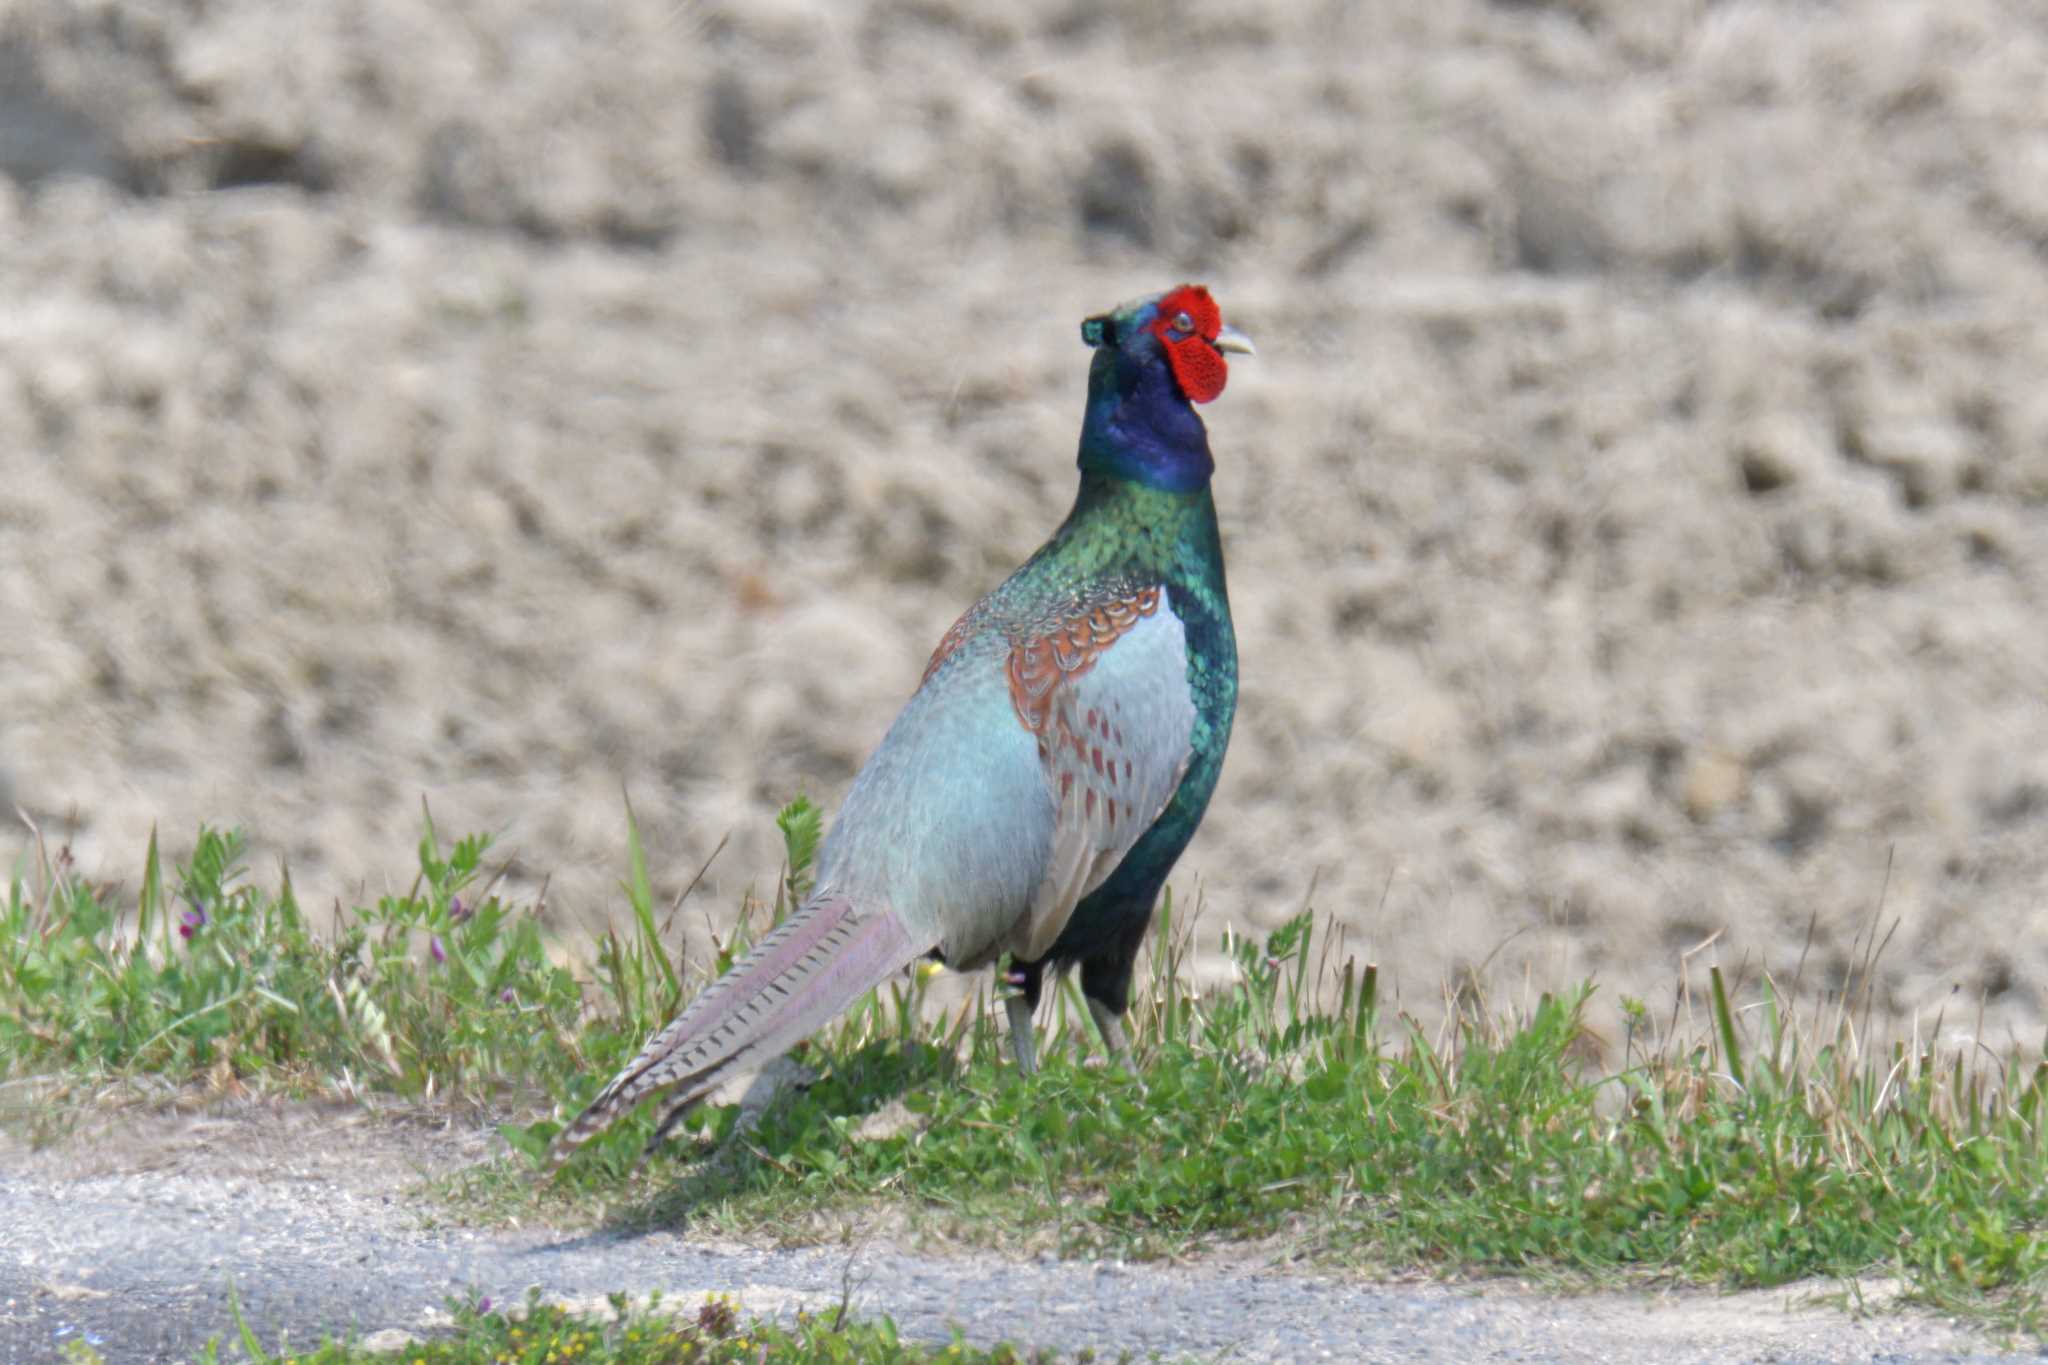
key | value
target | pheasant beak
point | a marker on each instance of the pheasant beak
(1230, 339)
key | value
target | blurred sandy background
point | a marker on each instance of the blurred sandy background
(1637, 514)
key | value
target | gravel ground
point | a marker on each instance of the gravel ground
(129, 1240)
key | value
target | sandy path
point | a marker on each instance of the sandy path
(130, 1238)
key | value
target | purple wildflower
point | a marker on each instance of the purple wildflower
(508, 996)
(434, 947)
(192, 921)
(483, 1305)
(457, 911)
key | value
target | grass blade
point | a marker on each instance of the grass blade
(1724, 1024)
(150, 908)
(640, 895)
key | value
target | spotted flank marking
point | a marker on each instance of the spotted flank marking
(1113, 731)
(1038, 665)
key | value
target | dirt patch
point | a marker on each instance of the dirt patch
(1634, 514)
(332, 1145)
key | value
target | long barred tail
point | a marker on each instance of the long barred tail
(809, 968)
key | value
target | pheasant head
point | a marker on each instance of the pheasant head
(1154, 359)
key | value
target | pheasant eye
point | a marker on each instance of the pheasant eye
(1183, 323)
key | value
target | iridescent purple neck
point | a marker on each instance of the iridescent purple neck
(1139, 426)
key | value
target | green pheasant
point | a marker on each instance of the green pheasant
(1049, 770)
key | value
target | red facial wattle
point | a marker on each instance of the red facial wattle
(1198, 367)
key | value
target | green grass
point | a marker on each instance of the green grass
(422, 995)
(645, 1333)
(654, 1334)
(1763, 1147)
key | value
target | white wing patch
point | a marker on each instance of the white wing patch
(1114, 747)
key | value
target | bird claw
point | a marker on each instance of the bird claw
(1021, 1042)
(1114, 1041)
